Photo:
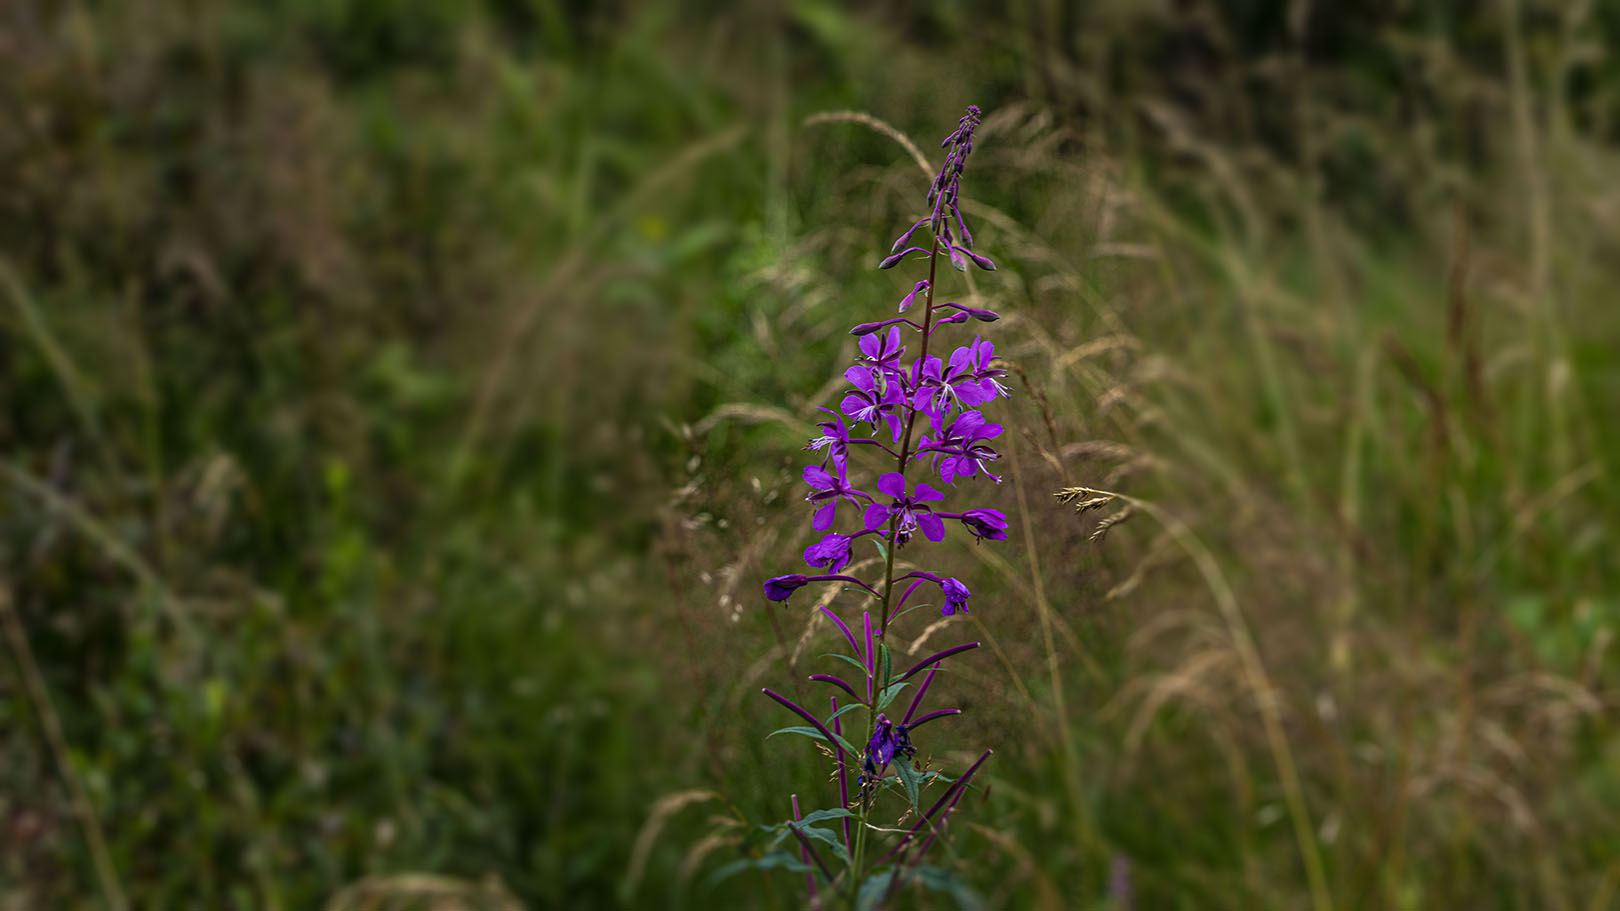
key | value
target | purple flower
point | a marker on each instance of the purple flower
(963, 445)
(910, 509)
(956, 597)
(872, 399)
(975, 458)
(830, 553)
(834, 438)
(829, 488)
(889, 385)
(782, 587)
(965, 380)
(883, 353)
(983, 381)
(888, 741)
(985, 524)
(932, 382)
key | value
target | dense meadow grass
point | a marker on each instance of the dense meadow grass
(402, 404)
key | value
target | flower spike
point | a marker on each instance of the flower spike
(948, 393)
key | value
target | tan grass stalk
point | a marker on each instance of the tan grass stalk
(659, 814)
(1254, 671)
(1071, 762)
(881, 126)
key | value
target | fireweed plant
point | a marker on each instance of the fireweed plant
(920, 420)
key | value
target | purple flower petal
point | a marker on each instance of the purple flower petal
(894, 426)
(824, 516)
(893, 484)
(966, 423)
(973, 394)
(956, 597)
(932, 527)
(872, 346)
(987, 524)
(830, 553)
(855, 407)
(892, 349)
(861, 378)
(876, 515)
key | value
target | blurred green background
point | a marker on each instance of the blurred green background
(401, 403)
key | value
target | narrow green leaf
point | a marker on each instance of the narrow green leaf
(887, 657)
(850, 660)
(813, 734)
(889, 692)
(908, 777)
(909, 609)
(836, 842)
(775, 860)
(883, 550)
(824, 815)
(848, 708)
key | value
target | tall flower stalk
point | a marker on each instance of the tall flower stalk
(923, 431)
